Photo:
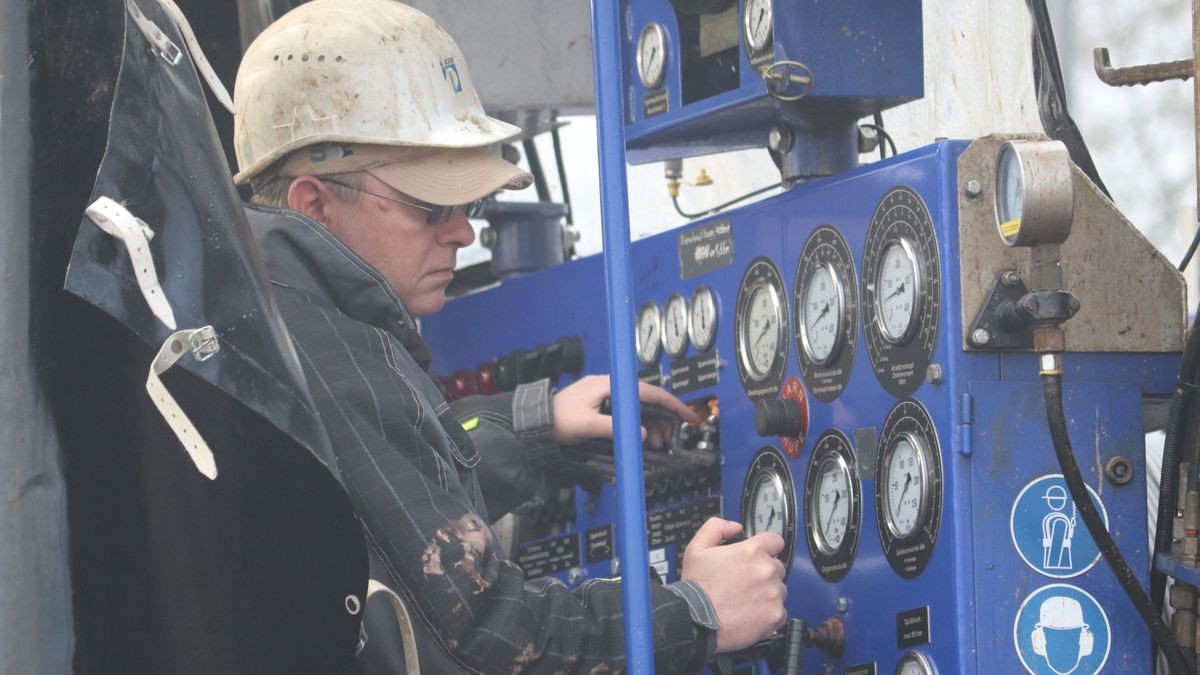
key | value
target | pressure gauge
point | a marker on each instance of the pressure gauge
(649, 334)
(675, 325)
(896, 291)
(760, 329)
(908, 488)
(822, 314)
(1035, 193)
(702, 320)
(915, 663)
(825, 298)
(833, 505)
(768, 500)
(757, 21)
(652, 55)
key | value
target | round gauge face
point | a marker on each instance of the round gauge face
(833, 505)
(652, 55)
(756, 24)
(906, 482)
(901, 291)
(908, 488)
(768, 500)
(760, 329)
(1010, 192)
(915, 663)
(649, 334)
(896, 291)
(675, 325)
(822, 314)
(702, 320)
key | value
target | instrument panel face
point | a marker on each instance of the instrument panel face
(826, 313)
(908, 488)
(760, 329)
(833, 505)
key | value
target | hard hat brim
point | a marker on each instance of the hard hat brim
(455, 176)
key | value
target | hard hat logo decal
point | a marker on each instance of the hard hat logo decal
(450, 73)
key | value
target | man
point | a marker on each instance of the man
(359, 128)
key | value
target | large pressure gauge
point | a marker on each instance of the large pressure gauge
(822, 314)
(901, 295)
(1035, 193)
(702, 320)
(908, 488)
(760, 329)
(649, 334)
(915, 663)
(675, 326)
(652, 55)
(757, 21)
(826, 313)
(769, 500)
(833, 505)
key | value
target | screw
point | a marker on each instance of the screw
(934, 373)
(843, 604)
(487, 238)
(614, 566)
(1073, 304)
(974, 188)
(575, 575)
(1010, 278)
(1030, 305)
(1119, 470)
(980, 336)
(780, 138)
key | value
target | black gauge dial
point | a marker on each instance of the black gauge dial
(760, 329)
(901, 291)
(825, 314)
(833, 505)
(769, 500)
(908, 488)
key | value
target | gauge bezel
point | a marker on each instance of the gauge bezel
(925, 663)
(648, 306)
(761, 273)
(910, 554)
(826, 246)
(702, 342)
(1046, 175)
(744, 355)
(684, 339)
(661, 33)
(820, 535)
(832, 563)
(802, 302)
(752, 46)
(923, 459)
(770, 464)
(907, 248)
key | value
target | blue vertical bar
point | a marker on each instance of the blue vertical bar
(614, 205)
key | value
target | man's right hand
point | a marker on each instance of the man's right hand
(744, 581)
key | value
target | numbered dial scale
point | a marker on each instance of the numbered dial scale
(833, 505)
(915, 663)
(901, 291)
(649, 334)
(908, 488)
(757, 20)
(702, 320)
(760, 329)
(826, 313)
(675, 326)
(768, 500)
(652, 55)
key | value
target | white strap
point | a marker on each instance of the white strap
(411, 663)
(170, 51)
(120, 223)
(178, 344)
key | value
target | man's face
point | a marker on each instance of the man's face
(417, 259)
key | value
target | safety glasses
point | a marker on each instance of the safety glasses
(437, 214)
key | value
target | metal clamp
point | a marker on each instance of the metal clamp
(781, 75)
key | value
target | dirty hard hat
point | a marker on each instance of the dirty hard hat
(371, 72)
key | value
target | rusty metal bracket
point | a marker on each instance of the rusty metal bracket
(1139, 75)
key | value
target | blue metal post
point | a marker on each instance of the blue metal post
(631, 506)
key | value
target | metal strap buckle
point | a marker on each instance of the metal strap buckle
(203, 342)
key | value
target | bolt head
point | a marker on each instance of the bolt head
(1010, 278)
(980, 336)
(974, 188)
(843, 604)
(934, 373)
(780, 138)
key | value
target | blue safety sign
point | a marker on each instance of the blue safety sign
(1048, 532)
(1061, 630)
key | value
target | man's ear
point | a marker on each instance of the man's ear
(309, 196)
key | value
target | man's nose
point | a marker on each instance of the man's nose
(457, 230)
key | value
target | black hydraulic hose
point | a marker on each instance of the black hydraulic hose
(535, 167)
(711, 210)
(1180, 663)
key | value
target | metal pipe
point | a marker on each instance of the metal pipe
(614, 202)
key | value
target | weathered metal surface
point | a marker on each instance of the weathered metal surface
(1132, 299)
(1138, 75)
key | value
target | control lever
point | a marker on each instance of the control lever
(786, 647)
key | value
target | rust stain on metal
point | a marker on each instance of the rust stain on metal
(1139, 75)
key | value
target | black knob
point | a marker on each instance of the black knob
(777, 417)
(572, 354)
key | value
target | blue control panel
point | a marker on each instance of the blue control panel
(914, 480)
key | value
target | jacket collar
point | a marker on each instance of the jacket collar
(301, 254)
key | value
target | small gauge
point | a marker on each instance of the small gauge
(675, 325)
(702, 320)
(908, 488)
(1035, 193)
(649, 334)
(757, 22)
(652, 55)
(833, 504)
(768, 500)
(760, 329)
(825, 296)
(901, 291)
(822, 314)
(915, 663)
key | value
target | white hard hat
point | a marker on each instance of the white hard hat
(359, 71)
(1061, 612)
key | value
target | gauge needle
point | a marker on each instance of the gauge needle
(761, 13)
(898, 291)
(770, 519)
(649, 332)
(837, 497)
(907, 482)
(762, 335)
(824, 311)
(650, 59)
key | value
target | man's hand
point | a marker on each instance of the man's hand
(743, 580)
(577, 414)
